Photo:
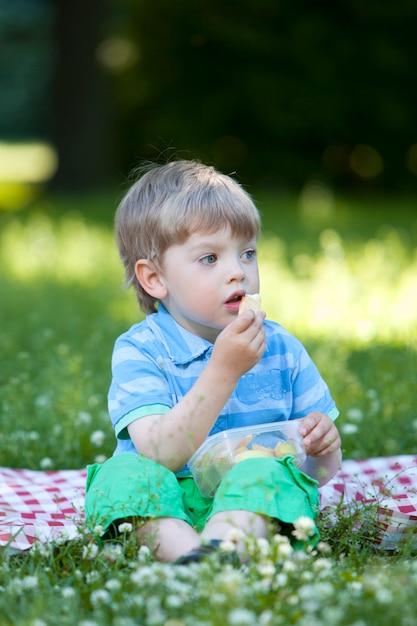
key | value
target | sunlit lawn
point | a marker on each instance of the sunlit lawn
(341, 274)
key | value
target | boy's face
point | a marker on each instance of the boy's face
(206, 277)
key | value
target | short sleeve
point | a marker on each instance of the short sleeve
(140, 382)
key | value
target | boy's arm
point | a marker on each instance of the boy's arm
(323, 447)
(172, 438)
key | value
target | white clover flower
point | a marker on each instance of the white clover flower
(38, 622)
(279, 539)
(263, 546)
(384, 595)
(227, 546)
(97, 438)
(144, 553)
(99, 530)
(306, 576)
(304, 528)
(100, 597)
(218, 598)
(42, 549)
(354, 414)
(90, 551)
(266, 568)
(30, 582)
(241, 617)
(281, 579)
(174, 601)
(125, 527)
(235, 535)
(322, 564)
(43, 401)
(112, 551)
(349, 429)
(68, 592)
(284, 550)
(92, 577)
(46, 463)
(323, 547)
(84, 418)
(113, 584)
(100, 458)
(266, 618)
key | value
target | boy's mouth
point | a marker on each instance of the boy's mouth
(236, 297)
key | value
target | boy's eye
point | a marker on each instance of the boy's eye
(248, 255)
(209, 259)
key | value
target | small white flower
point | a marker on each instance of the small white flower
(112, 551)
(46, 463)
(144, 553)
(349, 429)
(304, 528)
(84, 418)
(100, 458)
(263, 546)
(97, 438)
(354, 414)
(266, 568)
(99, 530)
(90, 551)
(99, 597)
(235, 535)
(227, 546)
(68, 592)
(284, 550)
(30, 582)
(125, 527)
(113, 584)
(241, 617)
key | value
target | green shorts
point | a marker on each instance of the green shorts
(131, 485)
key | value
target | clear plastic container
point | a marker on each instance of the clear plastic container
(221, 451)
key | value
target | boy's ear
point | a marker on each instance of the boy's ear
(150, 279)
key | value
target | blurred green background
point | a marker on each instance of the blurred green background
(281, 92)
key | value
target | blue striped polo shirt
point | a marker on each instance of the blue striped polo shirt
(157, 361)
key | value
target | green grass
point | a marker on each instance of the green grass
(341, 274)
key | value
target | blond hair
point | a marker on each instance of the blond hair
(170, 202)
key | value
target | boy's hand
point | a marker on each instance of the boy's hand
(241, 344)
(320, 435)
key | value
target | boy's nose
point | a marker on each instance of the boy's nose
(236, 273)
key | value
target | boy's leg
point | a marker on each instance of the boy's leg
(131, 486)
(168, 537)
(258, 490)
(221, 525)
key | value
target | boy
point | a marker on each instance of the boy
(187, 237)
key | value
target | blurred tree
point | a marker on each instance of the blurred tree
(81, 105)
(26, 62)
(279, 91)
(267, 86)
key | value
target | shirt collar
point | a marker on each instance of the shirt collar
(181, 345)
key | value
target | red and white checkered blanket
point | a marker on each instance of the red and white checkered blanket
(48, 506)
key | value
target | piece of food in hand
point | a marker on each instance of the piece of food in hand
(251, 454)
(284, 447)
(250, 302)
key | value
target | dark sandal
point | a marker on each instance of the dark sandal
(203, 551)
